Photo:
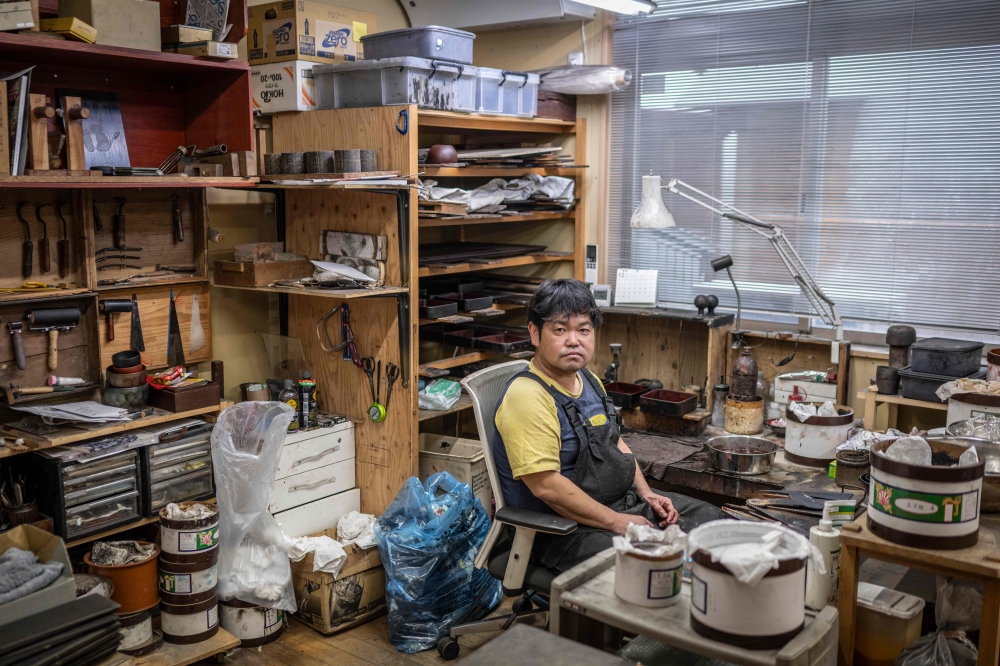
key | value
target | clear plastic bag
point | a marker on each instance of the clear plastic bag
(253, 557)
(427, 540)
(439, 394)
(957, 610)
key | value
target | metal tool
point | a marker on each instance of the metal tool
(51, 321)
(118, 249)
(176, 269)
(350, 351)
(376, 412)
(62, 247)
(15, 328)
(44, 249)
(611, 372)
(136, 336)
(121, 257)
(108, 307)
(178, 224)
(175, 345)
(28, 248)
(97, 215)
(106, 267)
(211, 151)
(118, 224)
(391, 375)
(171, 161)
(323, 332)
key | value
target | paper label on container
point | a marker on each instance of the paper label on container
(664, 583)
(334, 40)
(282, 31)
(925, 507)
(175, 583)
(272, 617)
(213, 616)
(699, 594)
(189, 542)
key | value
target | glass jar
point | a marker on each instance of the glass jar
(763, 390)
(721, 391)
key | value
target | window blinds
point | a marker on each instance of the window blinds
(868, 129)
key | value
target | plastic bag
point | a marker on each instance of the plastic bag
(672, 540)
(957, 610)
(439, 394)
(584, 79)
(427, 540)
(253, 558)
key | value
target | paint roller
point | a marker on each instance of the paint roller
(108, 307)
(51, 321)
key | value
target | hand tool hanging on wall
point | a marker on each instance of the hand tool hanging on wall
(175, 346)
(196, 337)
(105, 250)
(120, 257)
(108, 307)
(376, 412)
(350, 351)
(175, 269)
(178, 223)
(118, 224)
(391, 375)
(44, 250)
(51, 321)
(28, 248)
(137, 342)
(106, 267)
(323, 333)
(97, 215)
(15, 328)
(62, 247)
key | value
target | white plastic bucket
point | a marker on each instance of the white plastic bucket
(647, 580)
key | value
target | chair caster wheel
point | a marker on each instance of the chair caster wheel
(522, 605)
(448, 648)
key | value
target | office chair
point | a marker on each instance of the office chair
(507, 561)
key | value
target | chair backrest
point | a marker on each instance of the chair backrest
(485, 388)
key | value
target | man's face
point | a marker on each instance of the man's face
(565, 343)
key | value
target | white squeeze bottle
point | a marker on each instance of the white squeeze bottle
(821, 589)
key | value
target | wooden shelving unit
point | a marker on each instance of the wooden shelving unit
(498, 172)
(873, 399)
(492, 264)
(336, 294)
(430, 222)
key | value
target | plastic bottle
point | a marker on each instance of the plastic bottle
(307, 400)
(821, 589)
(290, 396)
(719, 409)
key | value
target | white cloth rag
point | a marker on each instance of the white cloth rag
(193, 511)
(357, 528)
(328, 555)
(498, 190)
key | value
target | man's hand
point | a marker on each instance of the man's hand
(663, 507)
(621, 522)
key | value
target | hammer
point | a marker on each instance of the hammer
(51, 321)
(108, 307)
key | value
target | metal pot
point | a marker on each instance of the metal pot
(739, 454)
(989, 451)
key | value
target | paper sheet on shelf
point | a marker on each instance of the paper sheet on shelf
(341, 269)
(86, 411)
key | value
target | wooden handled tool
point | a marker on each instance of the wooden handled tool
(178, 223)
(15, 329)
(51, 321)
(109, 306)
(28, 248)
(118, 224)
(75, 114)
(39, 131)
(62, 247)
(45, 250)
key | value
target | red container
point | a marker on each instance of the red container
(668, 403)
(625, 395)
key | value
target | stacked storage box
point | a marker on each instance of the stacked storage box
(188, 576)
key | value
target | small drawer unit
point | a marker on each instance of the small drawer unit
(86, 497)
(178, 468)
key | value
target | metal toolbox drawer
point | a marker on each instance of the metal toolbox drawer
(299, 489)
(319, 515)
(180, 468)
(91, 493)
(179, 489)
(86, 519)
(303, 456)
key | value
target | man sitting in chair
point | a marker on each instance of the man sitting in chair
(558, 448)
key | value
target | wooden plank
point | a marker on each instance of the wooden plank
(580, 234)
(544, 216)
(75, 158)
(501, 172)
(847, 603)
(183, 655)
(115, 530)
(332, 176)
(456, 361)
(464, 402)
(718, 356)
(154, 310)
(989, 635)
(528, 260)
(337, 294)
(900, 400)
(432, 118)
(60, 179)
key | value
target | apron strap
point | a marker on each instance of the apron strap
(575, 420)
(609, 405)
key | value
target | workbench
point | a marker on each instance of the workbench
(696, 472)
(980, 563)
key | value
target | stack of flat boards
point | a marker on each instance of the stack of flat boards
(82, 632)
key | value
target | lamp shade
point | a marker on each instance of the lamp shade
(652, 213)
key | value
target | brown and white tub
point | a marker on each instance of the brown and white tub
(185, 536)
(188, 579)
(138, 636)
(189, 623)
(253, 625)
(814, 441)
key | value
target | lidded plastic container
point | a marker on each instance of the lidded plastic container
(888, 621)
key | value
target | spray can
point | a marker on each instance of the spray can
(290, 396)
(307, 397)
(821, 589)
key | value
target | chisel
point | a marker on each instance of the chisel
(44, 251)
(28, 248)
(62, 247)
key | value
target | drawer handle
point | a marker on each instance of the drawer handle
(316, 457)
(311, 486)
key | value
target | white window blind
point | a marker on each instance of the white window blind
(868, 129)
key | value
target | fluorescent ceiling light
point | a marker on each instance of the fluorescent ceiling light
(630, 7)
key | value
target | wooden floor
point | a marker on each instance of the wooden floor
(362, 646)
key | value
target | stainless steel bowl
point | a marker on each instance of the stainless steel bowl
(740, 454)
(989, 453)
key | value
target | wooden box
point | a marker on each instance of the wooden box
(185, 399)
(246, 274)
(556, 105)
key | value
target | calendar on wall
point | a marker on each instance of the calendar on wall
(636, 287)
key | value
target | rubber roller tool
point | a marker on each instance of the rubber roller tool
(108, 307)
(15, 328)
(51, 321)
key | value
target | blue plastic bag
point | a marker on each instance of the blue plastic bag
(427, 540)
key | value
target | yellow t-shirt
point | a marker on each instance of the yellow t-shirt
(529, 424)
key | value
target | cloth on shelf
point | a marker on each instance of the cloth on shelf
(553, 189)
(193, 511)
(21, 574)
(117, 553)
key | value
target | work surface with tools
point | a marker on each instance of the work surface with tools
(680, 463)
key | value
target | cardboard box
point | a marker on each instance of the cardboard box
(283, 86)
(16, 16)
(184, 34)
(303, 30)
(249, 274)
(219, 50)
(48, 548)
(133, 24)
(71, 28)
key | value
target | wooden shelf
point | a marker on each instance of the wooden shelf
(339, 294)
(353, 185)
(430, 222)
(114, 530)
(41, 295)
(69, 435)
(165, 282)
(467, 267)
(182, 655)
(119, 182)
(501, 172)
(900, 400)
(430, 118)
(427, 369)
(464, 402)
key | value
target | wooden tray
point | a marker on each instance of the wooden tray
(246, 274)
(185, 399)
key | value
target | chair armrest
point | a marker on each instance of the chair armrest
(536, 520)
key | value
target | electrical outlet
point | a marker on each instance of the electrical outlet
(576, 58)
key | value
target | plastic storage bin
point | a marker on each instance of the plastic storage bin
(462, 458)
(887, 622)
(941, 356)
(430, 84)
(503, 92)
(434, 42)
(924, 386)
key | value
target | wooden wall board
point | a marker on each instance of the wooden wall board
(654, 348)
(384, 450)
(154, 312)
(811, 355)
(580, 193)
(718, 358)
(12, 236)
(76, 348)
(149, 224)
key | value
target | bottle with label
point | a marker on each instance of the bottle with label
(821, 589)
(307, 400)
(290, 396)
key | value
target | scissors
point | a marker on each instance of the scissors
(376, 412)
